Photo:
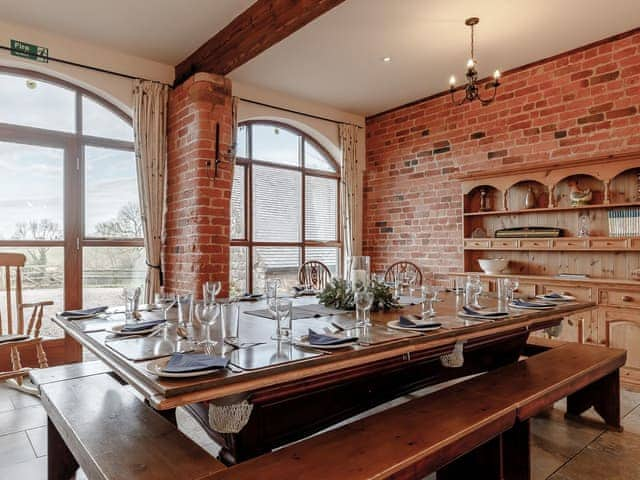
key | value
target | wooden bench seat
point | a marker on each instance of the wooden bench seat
(448, 426)
(111, 434)
(537, 345)
(69, 371)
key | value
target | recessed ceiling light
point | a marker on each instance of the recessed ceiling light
(386, 59)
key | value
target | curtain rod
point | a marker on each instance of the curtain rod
(87, 67)
(317, 117)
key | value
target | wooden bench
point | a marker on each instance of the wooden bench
(537, 345)
(42, 376)
(94, 422)
(479, 425)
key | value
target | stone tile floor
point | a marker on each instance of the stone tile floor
(561, 449)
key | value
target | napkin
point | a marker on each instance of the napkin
(518, 302)
(140, 326)
(409, 321)
(472, 311)
(194, 362)
(84, 313)
(553, 296)
(315, 338)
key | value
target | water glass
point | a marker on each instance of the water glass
(129, 296)
(473, 289)
(271, 288)
(282, 311)
(185, 309)
(510, 286)
(210, 291)
(364, 300)
(412, 277)
(207, 314)
(230, 321)
(429, 295)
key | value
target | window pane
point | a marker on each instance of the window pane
(276, 204)
(330, 256)
(31, 192)
(238, 281)
(238, 203)
(107, 270)
(36, 103)
(99, 121)
(42, 280)
(321, 208)
(314, 158)
(275, 262)
(112, 209)
(241, 146)
(275, 144)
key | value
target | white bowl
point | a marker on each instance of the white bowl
(493, 266)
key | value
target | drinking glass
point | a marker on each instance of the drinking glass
(129, 296)
(167, 304)
(429, 295)
(185, 309)
(210, 291)
(271, 288)
(230, 322)
(282, 311)
(510, 286)
(412, 277)
(207, 314)
(363, 299)
(473, 289)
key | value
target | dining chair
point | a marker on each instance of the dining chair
(314, 273)
(15, 333)
(403, 267)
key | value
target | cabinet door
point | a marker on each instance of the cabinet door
(527, 289)
(621, 329)
(581, 327)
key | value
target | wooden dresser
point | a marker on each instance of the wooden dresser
(609, 261)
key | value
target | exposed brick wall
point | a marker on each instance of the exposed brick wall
(576, 105)
(196, 247)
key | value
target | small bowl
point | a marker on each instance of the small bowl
(493, 266)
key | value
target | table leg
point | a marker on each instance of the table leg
(60, 462)
(516, 455)
(604, 396)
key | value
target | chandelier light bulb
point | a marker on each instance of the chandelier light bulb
(470, 64)
(452, 81)
(496, 75)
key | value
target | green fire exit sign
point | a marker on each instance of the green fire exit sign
(30, 51)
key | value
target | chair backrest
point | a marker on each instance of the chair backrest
(314, 273)
(12, 282)
(403, 267)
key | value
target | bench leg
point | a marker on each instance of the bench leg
(482, 463)
(516, 456)
(60, 462)
(604, 396)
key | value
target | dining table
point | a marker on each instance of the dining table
(294, 389)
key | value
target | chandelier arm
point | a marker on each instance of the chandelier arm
(487, 101)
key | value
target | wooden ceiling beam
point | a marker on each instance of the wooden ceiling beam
(258, 28)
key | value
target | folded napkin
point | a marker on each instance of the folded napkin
(409, 321)
(140, 326)
(472, 311)
(194, 362)
(553, 295)
(523, 303)
(315, 338)
(84, 313)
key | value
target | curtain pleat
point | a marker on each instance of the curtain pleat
(350, 192)
(150, 130)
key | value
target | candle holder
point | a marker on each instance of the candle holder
(359, 272)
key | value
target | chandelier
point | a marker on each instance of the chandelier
(471, 89)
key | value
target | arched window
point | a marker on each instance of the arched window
(68, 192)
(284, 209)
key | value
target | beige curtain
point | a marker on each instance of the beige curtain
(150, 130)
(350, 192)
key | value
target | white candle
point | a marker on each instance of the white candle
(358, 277)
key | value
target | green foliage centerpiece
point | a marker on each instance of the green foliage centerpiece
(339, 294)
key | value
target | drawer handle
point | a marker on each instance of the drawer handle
(627, 298)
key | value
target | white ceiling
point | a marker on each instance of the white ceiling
(337, 58)
(166, 31)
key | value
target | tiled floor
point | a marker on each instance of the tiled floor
(561, 449)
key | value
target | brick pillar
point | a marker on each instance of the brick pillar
(196, 247)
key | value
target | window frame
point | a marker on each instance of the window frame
(73, 145)
(248, 162)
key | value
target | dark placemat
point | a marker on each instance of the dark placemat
(298, 313)
(97, 324)
(376, 335)
(318, 309)
(146, 348)
(269, 355)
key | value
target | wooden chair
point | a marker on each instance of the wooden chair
(15, 333)
(314, 273)
(405, 267)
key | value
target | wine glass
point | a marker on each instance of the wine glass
(207, 314)
(473, 289)
(412, 277)
(167, 305)
(210, 291)
(511, 285)
(281, 310)
(363, 299)
(429, 295)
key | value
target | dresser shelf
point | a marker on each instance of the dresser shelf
(552, 209)
(603, 244)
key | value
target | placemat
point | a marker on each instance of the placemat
(269, 355)
(407, 300)
(147, 348)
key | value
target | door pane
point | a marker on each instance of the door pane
(111, 194)
(42, 280)
(330, 256)
(99, 121)
(36, 103)
(31, 192)
(276, 204)
(238, 230)
(275, 262)
(107, 270)
(239, 268)
(321, 209)
(272, 143)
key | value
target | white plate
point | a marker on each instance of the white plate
(117, 330)
(156, 367)
(526, 307)
(305, 343)
(396, 326)
(563, 298)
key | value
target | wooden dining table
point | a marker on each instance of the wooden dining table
(293, 399)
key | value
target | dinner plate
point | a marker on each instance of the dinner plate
(395, 324)
(156, 367)
(117, 330)
(304, 343)
(528, 307)
(563, 298)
